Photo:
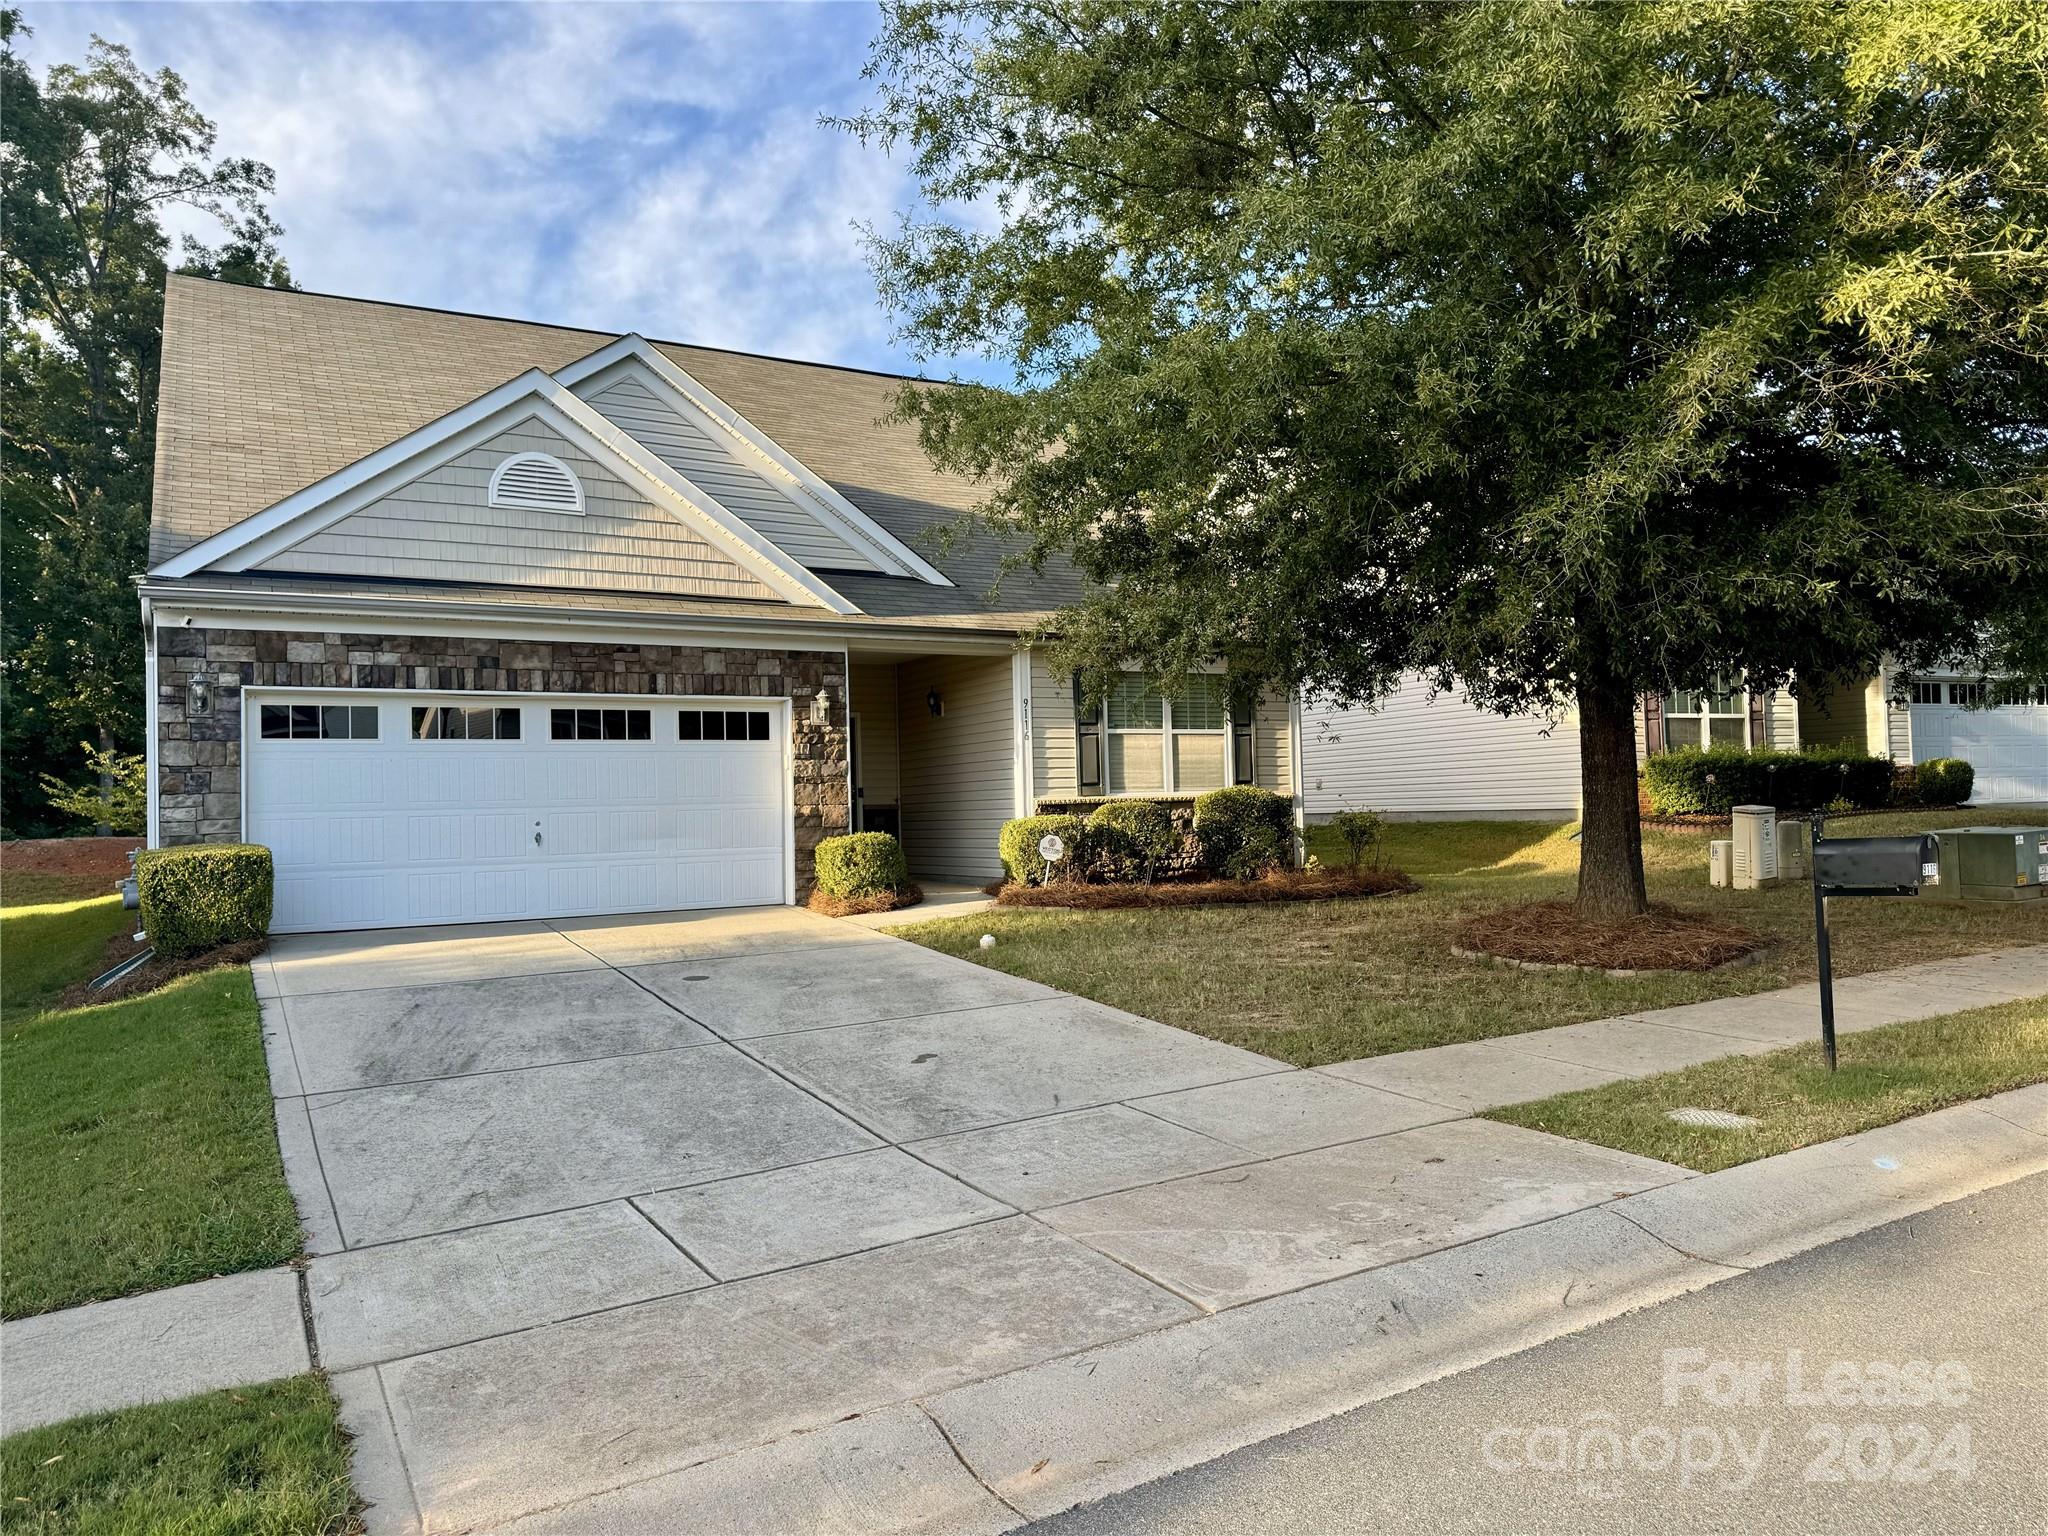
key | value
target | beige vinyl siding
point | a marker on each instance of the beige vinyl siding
(1272, 744)
(873, 691)
(1839, 717)
(957, 785)
(1437, 758)
(1052, 730)
(711, 461)
(1888, 726)
(441, 527)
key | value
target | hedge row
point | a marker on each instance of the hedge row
(1692, 781)
(204, 895)
(1238, 833)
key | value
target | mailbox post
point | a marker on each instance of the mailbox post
(1860, 866)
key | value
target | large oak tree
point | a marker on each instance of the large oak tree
(1568, 351)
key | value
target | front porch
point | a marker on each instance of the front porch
(938, 746)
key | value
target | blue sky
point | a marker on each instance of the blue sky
(657, 168)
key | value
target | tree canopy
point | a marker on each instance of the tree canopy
(1568, 352)
(90, 158)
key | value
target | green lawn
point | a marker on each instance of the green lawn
(270, 1459)
(137, 1136)
(1316, 982)
(1885, 1075)
(37, 887)
(45, 948)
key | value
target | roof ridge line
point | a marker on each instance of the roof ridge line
(549, 325)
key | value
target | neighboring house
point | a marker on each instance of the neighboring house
(1424, 756)
(471, 619)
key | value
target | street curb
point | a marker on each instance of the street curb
(1048, 1437)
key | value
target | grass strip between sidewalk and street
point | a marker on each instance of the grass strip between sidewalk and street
(269, 1458)
(1885, 1075)
(139, 1141)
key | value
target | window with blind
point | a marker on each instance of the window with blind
(1157, 745)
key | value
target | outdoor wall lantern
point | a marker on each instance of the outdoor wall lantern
(934, 703)
(199, 696)
(821, 707)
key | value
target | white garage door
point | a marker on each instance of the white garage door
(2008, 745)
(407, 808)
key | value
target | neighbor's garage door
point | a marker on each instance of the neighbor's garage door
(2007, 745)
(414, 809)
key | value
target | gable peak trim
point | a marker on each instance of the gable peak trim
(759, 451)
(529, 395)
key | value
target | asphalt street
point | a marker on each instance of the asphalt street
(1896, 1381)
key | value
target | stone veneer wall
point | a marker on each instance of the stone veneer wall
(198, 761)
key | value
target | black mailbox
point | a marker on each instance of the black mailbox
(1875, 866)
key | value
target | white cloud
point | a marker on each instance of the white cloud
(655, 168)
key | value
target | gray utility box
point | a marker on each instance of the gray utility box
(1992, 864)
(1875, 866)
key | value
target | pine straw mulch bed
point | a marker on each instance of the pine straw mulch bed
(858, 906)
(152, 973)
(1551, 933)
(106, 856)
(1294, 885)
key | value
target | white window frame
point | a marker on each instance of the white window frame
(1702, 719)
(1166, 731)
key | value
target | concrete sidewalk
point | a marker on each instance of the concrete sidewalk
(1509, 1069)
(231, 1331)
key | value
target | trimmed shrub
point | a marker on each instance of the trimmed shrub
(1362, 832)
(1245, 831)
(1017, 845)
(204, 895)
(861, 864)
(1944, 781)
(1693, 782)
(1130, 840)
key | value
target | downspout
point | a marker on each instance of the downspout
(1294, 775)
(151, 830)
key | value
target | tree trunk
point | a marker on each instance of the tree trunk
(1611, 832)
(106, 825)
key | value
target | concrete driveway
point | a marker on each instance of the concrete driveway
(593, 1202)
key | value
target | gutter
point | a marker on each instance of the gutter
(173, 594)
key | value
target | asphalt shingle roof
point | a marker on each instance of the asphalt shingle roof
(266, 390)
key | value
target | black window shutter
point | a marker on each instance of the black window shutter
(1244, 768)
(1756, 719)
(1653, 723)
(1087, 741)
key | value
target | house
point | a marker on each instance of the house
(1423, 754)
(471, 619)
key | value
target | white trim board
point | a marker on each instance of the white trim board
(301, 612)
(533, 395)
(633, 355)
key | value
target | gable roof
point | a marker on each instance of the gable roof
(746, 457)
(533, 395)
(265, 391)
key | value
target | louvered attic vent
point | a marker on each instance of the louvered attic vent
(538, 482)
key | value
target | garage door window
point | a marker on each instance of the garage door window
(318, 722)
(1967, 695)
(722, 725)
(457, 723)
(599, 724)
